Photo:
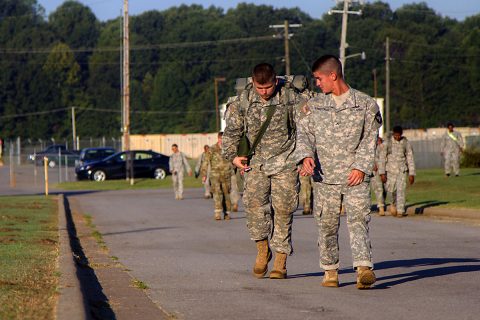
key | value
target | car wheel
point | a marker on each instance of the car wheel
(51, 164)
(159, 174)
(99, 175)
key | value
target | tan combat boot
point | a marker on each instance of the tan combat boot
(218, 215)
(330, 279)
(264, 255)
(226, 216)
(235, 207)
(279, 266)
(393, 210)
(381, 210)
(365, 277)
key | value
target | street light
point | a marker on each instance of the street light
(216, 80)
(363, 55)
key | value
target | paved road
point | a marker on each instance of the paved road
(198, 268)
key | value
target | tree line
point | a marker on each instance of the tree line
(70, 58)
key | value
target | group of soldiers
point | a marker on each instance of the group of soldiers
(329, 140)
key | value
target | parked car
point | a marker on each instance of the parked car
(146, 163)
(51, 152)
(88, 155)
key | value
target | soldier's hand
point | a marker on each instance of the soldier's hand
(375, 167)
(355, 177)
(307, 166)
(383, 177)
(204, 179)
(411, 179)
(190, 173)
(302, 172)
(241, 162)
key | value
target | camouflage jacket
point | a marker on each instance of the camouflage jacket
(248, 112)
(343, 137)
(452, 142)
(218, 164)
(178, 162)
(397, 157)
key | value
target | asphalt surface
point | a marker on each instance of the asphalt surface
(199, 268)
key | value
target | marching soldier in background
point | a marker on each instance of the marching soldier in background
(178, 164)
(220, 178)
(376, 182)
(396, 159)
(452, 146)
(198, 166)
(341, 130)
(271, 179)
(234, 192)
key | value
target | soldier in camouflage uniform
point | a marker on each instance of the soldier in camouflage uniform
(178, 164)
(234, 192)
(198, 166)
(271, 179)
(396, 159)
(377, 184)
(220, 178)
(452, 146)
(341, 131)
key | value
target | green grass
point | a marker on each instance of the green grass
(122, 184)
(431, 187)
(139, 284)
(28, 257)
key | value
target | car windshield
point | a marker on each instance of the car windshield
(97, 154)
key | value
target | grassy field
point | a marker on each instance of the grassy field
(28, 257)
(454, 192)
(431, 188)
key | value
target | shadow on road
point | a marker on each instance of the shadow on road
(95, 301)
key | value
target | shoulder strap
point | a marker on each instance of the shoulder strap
(263, 128)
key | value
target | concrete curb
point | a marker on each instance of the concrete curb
(70, 304)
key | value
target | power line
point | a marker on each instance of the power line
(175, 45)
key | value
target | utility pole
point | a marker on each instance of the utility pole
(74, 130)
(374, 72)
(126, 78)
(387, 87)
(126, 92)
(286, 36)
(343, 37)
(216, 80)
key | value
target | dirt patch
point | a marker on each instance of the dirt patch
(48, 241)
(7, 283)
(7, 239)
(8, 229)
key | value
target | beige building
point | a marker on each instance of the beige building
(191, 144)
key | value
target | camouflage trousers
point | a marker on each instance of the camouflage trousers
(328, 199)
(234, 193)
(377, 187)
(452, 161)
(220, 187)
(268, 198)
(306, 193)
(396, 185)
(177, 179)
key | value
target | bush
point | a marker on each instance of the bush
(470, 159)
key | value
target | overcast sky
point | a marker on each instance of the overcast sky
(108, 9)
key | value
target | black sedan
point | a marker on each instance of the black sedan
(146, 163)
